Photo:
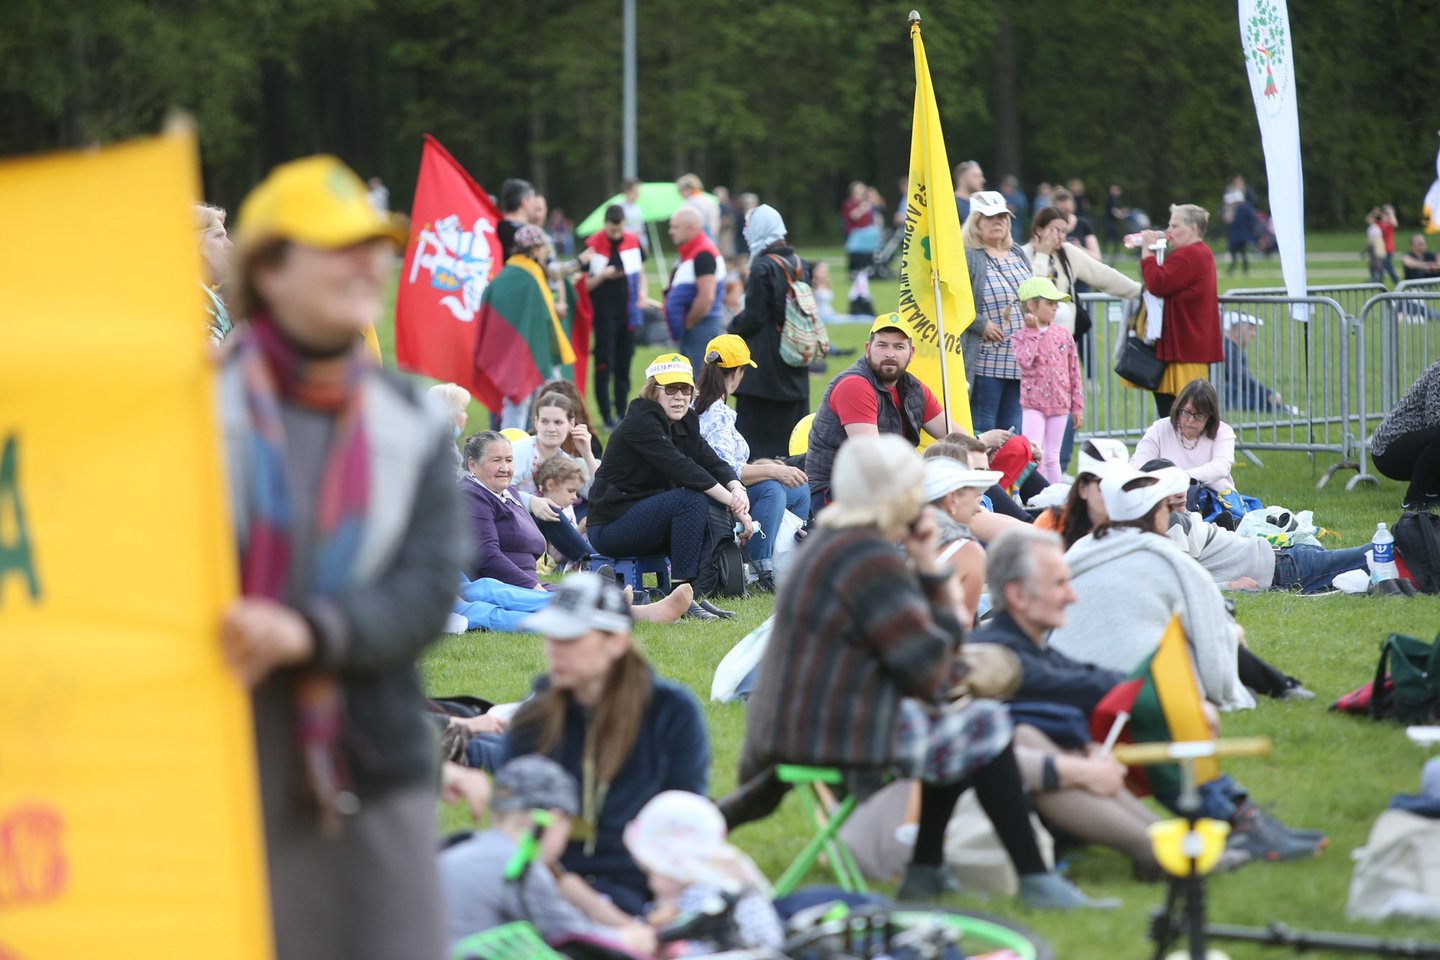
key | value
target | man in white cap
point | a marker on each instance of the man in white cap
(873, 395)
(1240, 389)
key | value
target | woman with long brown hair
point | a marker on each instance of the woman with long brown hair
(623, 732)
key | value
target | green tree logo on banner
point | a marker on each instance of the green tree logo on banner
(1265, 46)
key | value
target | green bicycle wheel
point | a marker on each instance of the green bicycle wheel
(980, 933)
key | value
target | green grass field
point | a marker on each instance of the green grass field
(1328, 772)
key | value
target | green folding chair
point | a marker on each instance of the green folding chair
(827, 823)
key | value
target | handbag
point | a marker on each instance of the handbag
(1083, 323)
(1413, 667)
(1136, 361)
(992, 672)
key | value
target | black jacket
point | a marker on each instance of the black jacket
(760, 324)
(1049, 675)
(648, 454)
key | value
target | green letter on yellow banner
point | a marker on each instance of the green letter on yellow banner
(934, 283)
(129, 822)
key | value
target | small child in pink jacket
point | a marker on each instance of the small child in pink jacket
(1051, 390)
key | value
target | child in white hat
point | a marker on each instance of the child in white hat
(678, 839)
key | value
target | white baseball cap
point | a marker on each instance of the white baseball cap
(1233, 317)
(1130, 494)
(1100, 454)
(942, 475)
(988, 203)
(584, 602)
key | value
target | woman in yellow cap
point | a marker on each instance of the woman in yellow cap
(661, 489)
(772, 486)
(344, 508)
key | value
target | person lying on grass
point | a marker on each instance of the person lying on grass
(1251, 563)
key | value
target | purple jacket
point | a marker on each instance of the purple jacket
(506, 541)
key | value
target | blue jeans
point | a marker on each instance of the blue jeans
(769, 499)
(693, 343)
(561, 534)
(670, 524)
(995, 403)
(1311, 567)
(1218, 799)
(491, 605)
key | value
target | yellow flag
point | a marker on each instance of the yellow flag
(129, 821)
(934, 283)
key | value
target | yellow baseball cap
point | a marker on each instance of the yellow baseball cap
(671, 368)
(316, 201)
(892, 321)
(733, 351)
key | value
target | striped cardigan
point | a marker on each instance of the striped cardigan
(855, 631)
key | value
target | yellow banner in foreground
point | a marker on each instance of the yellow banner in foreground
(129, 821)
(932, 256)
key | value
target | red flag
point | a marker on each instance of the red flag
(453, 254)
(580, 325)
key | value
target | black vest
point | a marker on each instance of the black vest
(827, 433)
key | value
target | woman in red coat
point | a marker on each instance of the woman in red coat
(1190, 336)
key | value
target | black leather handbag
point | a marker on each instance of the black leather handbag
(1138, 363)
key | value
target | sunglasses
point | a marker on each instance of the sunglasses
(675, 389)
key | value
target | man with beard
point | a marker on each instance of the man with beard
(872, 395)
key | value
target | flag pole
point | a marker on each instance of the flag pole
(914, 20)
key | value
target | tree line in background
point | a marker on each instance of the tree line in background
(789, 100)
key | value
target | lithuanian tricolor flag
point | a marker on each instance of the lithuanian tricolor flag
(520, 341)
(1163, 699)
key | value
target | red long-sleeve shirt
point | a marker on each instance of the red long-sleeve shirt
(1191, 329)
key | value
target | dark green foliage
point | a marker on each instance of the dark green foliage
(789, 100)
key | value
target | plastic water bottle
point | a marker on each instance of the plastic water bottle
(1382, 556)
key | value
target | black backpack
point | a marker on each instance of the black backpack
(722, 574)
(1417, 540)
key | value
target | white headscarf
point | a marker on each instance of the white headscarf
(764, 229)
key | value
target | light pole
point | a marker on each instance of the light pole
(628, 166)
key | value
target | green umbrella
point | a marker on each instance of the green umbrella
(657, 201)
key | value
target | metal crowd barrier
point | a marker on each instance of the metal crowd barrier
(1285, 386)
(1352, 297)
(1400, 333)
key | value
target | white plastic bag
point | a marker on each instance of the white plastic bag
(1281, 527)
(737, 664)
(785, 543)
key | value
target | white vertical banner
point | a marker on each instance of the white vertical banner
(1270, 63)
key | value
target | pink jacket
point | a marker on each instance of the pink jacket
(1049, 370)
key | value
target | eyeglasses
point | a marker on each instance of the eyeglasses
(1192, 415)
(677, 389)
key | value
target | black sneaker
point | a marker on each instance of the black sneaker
(697, 612)
(715, 611)
(764, 582)
(923, 883)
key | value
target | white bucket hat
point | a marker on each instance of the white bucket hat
(681, 835)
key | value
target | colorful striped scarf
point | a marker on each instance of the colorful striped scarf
(273, 371)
